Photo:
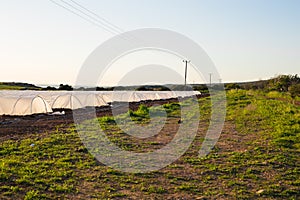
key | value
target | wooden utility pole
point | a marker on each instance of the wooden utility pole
(210, 74)
(185, 74)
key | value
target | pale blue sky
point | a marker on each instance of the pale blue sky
(43, 43)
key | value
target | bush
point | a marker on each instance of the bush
(65, 87)
(143, 112)
(231, 86)
(295, 90)
(107, 119)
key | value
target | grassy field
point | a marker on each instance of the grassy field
(17, 86)
(257, 157)
(10, 87)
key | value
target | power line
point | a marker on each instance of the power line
(105, 20)
(115, 30)
(86, 19)
(93, 18)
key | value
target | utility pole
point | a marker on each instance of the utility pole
(185, 74)
(210, 74)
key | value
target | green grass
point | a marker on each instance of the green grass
(10, 87)
(280, 119)
(4, 86)
(257, 157)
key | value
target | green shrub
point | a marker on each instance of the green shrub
(295, 90)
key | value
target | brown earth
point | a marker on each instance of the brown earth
(11, 127)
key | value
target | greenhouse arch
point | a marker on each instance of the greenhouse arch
(24, 105)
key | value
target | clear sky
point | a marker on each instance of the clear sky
(43, 43)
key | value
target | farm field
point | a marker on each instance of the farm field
(256, 157)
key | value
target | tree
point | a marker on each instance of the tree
(282, 83)
(230, 86)
(50, 88)
(65, 87)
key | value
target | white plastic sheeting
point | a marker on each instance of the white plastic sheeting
(73, 100)
(28, 102)
(23, 105)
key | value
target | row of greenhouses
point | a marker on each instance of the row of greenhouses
(32, 102)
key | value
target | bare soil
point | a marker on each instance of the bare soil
(11, 127)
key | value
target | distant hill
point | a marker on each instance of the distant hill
(18, 86)
(281, 83)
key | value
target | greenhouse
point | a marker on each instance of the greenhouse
(23, 105)
(32, 102)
